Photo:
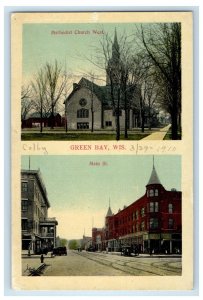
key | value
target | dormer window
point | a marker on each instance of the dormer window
(151, 193)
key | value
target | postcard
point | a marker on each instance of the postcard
(102, 151)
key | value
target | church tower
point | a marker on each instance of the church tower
(112, 71)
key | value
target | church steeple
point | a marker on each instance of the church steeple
(109, 212)
(113, 63)
(115, 49)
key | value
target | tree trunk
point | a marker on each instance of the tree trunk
(102, 115)
(149, 119)
(174, 115)
(174, 126)
(118, 118)
(52, 117)
(142, 120)
(126, 118)
(92, 129)
(41, 120)
(142, 113)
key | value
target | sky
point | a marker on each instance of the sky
(79, 193)
(41, 45)
(74, 51)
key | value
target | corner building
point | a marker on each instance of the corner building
(38, 231)
(153, 222)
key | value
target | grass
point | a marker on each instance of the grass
(168, 136)
(37, 136)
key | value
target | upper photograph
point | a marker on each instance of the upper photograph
(101, 81)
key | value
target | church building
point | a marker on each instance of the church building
(90, 106)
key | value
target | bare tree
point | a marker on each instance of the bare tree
(139, 73)
(56, 81)
(26, 102)
(162, 45)
(39, 95)
(48, 86)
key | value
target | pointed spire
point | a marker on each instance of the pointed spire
(115, 48)
(115, 37)
(154, 178)
(109, 212)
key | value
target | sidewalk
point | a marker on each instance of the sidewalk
(159, 135)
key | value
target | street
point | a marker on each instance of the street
(94, 264)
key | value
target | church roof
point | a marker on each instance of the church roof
(103, 93)
(109, 212)
(154, 178)
(100, 91)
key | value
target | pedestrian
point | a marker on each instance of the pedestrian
(42, 258)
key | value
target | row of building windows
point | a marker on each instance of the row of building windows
(153, 207)
(84, 113)
(25, 225)
(153, 224)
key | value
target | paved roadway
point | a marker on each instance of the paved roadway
(93, 264)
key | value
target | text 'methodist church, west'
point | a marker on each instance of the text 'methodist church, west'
(87, 96)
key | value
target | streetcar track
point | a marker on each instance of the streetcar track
(131, 269)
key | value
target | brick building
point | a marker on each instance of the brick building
(47, 120)
(153, 223)
(38, 231)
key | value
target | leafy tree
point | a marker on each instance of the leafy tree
(73, 245)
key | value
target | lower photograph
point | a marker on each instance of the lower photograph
(92, 215)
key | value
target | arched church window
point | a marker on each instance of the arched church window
(82, 113)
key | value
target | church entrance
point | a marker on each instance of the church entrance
(82, 125)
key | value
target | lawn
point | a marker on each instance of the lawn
(168, 136)
(37, 136)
